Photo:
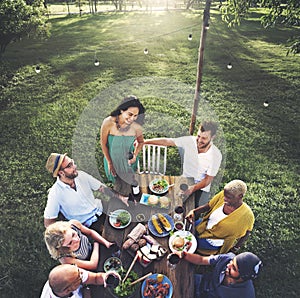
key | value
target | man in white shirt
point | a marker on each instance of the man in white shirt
(201, 159)
(72, 194)
(67, 281)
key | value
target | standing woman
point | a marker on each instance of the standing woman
(119, 132)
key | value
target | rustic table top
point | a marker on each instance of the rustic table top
(182, 276)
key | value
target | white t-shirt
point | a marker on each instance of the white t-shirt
(195, 164)
(47, 291)
(80, 204)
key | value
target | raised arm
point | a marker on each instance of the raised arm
(197, 211)
(203, 183)
(194, 258)
(160, 142)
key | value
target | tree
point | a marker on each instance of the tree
(21, 19)
(280, 12)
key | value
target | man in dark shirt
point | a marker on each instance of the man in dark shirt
(231, 277)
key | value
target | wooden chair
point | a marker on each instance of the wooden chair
(154, 160)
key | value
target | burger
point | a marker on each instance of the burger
(152, 200)
(178, 242)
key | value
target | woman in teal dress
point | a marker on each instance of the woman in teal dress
(119, 132)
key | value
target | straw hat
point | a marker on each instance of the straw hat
(54, 162)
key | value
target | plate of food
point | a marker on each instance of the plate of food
(120, 218)
(157, 285)
(112, 264)
(183, 241)
(160, 224)
(159, 186)
(155, 201)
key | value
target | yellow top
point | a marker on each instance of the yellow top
(231, 228)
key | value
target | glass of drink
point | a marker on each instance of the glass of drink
(112, 281)
(183, 187)
(178, 213)
(172, 260)
(115, 250)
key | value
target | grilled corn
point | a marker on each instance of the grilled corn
(164, 222)
(156, 224)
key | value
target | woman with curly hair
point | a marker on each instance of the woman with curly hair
(70, 242)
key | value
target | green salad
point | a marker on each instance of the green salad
(123, 218)
(124, 289)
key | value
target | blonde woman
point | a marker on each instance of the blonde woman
(70, 242)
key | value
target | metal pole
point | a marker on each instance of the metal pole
(204, 29)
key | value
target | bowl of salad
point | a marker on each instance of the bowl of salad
(120, 218)
(124, 289)
(159, 186)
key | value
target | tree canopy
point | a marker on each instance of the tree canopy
(21, 18)
(279, 12)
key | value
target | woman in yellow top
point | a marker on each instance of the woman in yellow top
(228, 221)
(119, 132)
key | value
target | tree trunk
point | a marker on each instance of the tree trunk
(205, 25)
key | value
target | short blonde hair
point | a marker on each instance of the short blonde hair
(236, 187)
(54, 237)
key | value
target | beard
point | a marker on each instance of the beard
(203, 146)
(72, 175)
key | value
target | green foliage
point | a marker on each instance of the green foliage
(40, 114)
(18, 20)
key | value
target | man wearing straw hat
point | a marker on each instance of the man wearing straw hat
(72, 194)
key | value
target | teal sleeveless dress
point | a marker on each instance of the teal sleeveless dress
(119, 147)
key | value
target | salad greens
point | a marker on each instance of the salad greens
(123, 217)
(123, 289)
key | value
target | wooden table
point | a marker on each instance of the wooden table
(182, 277)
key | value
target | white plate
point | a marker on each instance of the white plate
(159, 192)
(188, 236)
(113, 218)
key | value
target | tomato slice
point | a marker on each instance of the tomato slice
(117, 224)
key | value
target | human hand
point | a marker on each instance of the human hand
(124, 200)
(190, 216)
(111, 169)
(133, 160)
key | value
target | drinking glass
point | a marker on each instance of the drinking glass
(172, 260)
(178, 213)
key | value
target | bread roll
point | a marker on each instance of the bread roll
(164, 202)
(152, 200)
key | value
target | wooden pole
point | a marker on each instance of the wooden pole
(205, 27)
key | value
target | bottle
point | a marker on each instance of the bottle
(135, 191)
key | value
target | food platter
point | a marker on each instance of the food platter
(155, 201)
(112, 264)
(120, 219)
(189, 242)
(159, 186)
(153, 278)
(165, 232)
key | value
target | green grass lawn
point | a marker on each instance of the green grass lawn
(61, 108)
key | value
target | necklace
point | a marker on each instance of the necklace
(122, 129)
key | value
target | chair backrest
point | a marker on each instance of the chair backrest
(154, 160)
